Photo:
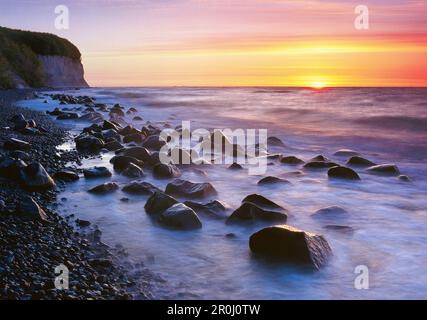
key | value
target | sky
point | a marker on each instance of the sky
(237, 42)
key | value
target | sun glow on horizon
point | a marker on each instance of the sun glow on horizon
(318, 85)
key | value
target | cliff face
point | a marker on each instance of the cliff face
(61, 71)
(34, 59)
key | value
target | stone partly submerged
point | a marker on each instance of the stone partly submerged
(288, 244)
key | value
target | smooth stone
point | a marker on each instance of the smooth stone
(319, 158)
(235, 166)
(214, 209)
(113, 145)
(339, 228)
(359, 161)
(89, 143)
(404, 178)
(133, 137)
(137, 187)
(161, 170)
(139, 153)
(154, 143)
(343, 173)
(190, 189)
(97, 172)
(11, 168)
(29, 208)
(82, 223)
(66, 176)
(181, 217)
(384, 169)
(291, 245)
(16, 144)
(109, 125)
(261, 201)
(319, 165)
(274, 141)
(291, 160)
(272, 180)
(36, 178)
(346, 153)
(133, 171)
(159, 202)
(331, 212)
(104, 188)
(122, 162)
(250, 212)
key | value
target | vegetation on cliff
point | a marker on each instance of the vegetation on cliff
(18, 55)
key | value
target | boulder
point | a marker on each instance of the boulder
(113, 145)
(104, 188)
(161, 170)
(274, 141)
(66, 176)
(261, 201)
(129, 130)
(190, 189)
(88, 143)
(272, 180)
(67, 116)
(154, 142)
(213, 209)
(235, 166)
(291, 245)
(133, 137)
(133, 171)
(291, 160)
(139, 153)
(16, 144)
(35, 177)
(319, 165)
(159, 202)
(137, 187)
(97, 172)
(120, 163)
(180, 216)
(29, 208)
(339, 172)
(109, 125)
(346, 153)
(11, 168)
(250, 212)
(404, 178)
(384, 169)
(319, 157)
(331, 213)
(359, 161)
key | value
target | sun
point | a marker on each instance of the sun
(318, 84)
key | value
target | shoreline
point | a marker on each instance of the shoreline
(30, 249)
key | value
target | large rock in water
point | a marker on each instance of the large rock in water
(261, 201)
(105, 188)
(159, 202)
(97, 172)
(359, 161)
(139, 153)
(66, 176)
(133, 171)
(291, 160)
(88, 143)
(162, 170)
(339, 172)
(384, 169)
(137, 187)
(35, 177)
(180, 216)
(214, 209)
(346, 153)
(122, 162)
(272, 180)
(30, 209)
(11, 168)
(190, 189)
(332, 213)
(250, 212)
(292, 245)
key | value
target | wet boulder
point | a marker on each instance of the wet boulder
(339, 172)
(384, 169)
(28, 208)
(184, 188)
(331, 213)
(272, 180)
(116, 112)
(346, 153)
(35, 177)
(291, 245)
(250, 212)
(133, 171)
(261, 201)
(137, 118)
(154, 142)
(120, 163)
(404, 178)
(105, 188)
(133, 137)
(291, 160)
(319, 165)
(162, 170)
(107, 125)
(11, 168)
(235, 166)
(129, 130)
(68, 116)
(97, 172)
(274, 141)
(92, 117)
(213, 209)
(113, 145)
(181, 217)
(139, 153)
(141, 188)
(16, 144)
(159, 202)
(66, 176)
(111, 134)
(319, 157)
(359, 161)
(88, 143)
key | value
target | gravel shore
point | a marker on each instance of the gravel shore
(31, 249)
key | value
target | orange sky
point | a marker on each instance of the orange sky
(239, 42)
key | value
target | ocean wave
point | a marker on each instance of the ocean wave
(396, 122)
